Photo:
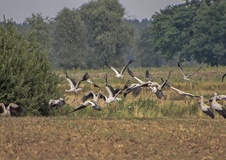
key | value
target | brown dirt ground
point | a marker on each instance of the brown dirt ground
(31, 138)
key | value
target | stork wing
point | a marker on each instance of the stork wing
(132, 75)
(194, 72)
(88, 95)
(124, 68)
(115, 70)
(81, 106)
(70, 81)
(223, 77)
(178, 64)
(147, 76)
(111, 91)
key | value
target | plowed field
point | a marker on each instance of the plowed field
(31, 138)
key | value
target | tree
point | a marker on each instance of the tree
(172, 29)
(26, 75)
(208, 44)
(108, 35)
(70, 41)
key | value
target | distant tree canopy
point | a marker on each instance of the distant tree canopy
(97, 31)
(26, 75)
(69, 39)
(194, 30)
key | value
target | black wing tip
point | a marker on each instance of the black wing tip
(223, 77)
(178, 64)
(130, 72)
(131, 61)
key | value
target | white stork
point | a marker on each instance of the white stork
(85, 104)
(205, 108)
(217, 107)
(56, 103)
(186, 77)
(113, 93)
(11, 110)
(119, 74)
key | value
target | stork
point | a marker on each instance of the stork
(112, 93)
(186, 77)
(181, 92)
(56, 103)
(218, 107)
(85, 104)
(205, 108)
(11, 110)
(119, 74)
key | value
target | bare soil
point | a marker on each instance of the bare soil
(31, 138)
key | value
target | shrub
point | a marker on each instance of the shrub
(25, 71)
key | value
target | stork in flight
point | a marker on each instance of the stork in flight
(187, 77)
(85, 104)
(89, 80)
(181, 92)
(93, 96)
(56, 103)
(74, 87)
(113, 93)
(119, 74)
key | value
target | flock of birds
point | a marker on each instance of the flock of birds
(92, 98)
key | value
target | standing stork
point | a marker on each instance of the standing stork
(217, 107)
(205, 108)
(119, 74)
(186, 77)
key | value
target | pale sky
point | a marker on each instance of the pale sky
(18, 10)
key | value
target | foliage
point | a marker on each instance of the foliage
(26, 77)
(108, 36)
(194, 30)
(209, 34)
(70, 42)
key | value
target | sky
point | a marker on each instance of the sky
(18, 10)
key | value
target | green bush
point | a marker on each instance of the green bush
(25, 71)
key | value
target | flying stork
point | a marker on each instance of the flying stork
(119, 74)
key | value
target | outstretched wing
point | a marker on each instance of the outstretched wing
(132, 75)
(147, 76)
(124, 68)
(70, 80)
(114, 69)
(178, 64)
(194, 72)
(88, 95)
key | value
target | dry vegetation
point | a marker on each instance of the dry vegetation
(137, 128)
